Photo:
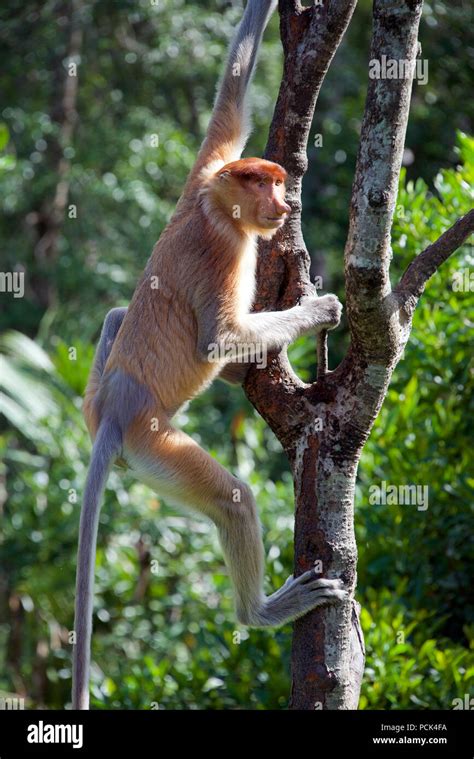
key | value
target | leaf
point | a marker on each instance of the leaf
(4, 136)
(21, 347)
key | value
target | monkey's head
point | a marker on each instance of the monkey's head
(251, 191)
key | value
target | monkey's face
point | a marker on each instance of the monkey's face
(269, 208)
(251, 192)
(261, 204)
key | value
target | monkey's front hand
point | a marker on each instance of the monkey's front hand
(325, 311)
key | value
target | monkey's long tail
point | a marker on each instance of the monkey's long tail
(105, 450)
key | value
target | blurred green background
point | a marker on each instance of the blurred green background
(165, 633)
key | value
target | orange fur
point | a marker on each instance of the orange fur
(254, 169)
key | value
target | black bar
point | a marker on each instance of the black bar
(137, 733)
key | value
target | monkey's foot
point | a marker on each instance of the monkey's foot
(294, 599)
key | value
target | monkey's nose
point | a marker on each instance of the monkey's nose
(283, 208)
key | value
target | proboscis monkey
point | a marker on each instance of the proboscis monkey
(194, 300)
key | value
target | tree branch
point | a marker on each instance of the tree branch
(374, 192)
(322, 353)
(310, 38)
(414, 279)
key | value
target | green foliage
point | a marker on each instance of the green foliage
(415, 565)
(423, 434)
(406, 669)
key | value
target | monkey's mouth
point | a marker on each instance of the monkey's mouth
(277, 221)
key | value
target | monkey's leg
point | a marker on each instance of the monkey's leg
(173, 465)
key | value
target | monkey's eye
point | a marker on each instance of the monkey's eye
(278, 182)
(262, 184)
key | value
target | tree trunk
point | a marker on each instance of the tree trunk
(47, 222)
(323, 426)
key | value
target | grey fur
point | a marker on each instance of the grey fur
(112, 323)
(106, 447)
(122, 398)
(250, 30)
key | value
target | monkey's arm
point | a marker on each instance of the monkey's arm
(271, 330)
(230, 122)
(275, 329)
